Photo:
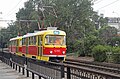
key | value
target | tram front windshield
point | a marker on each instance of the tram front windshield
(55, 40)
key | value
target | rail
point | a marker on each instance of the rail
(108, 68)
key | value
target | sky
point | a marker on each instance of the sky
(110, 8)
(9, 8)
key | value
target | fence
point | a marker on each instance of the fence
(51, 70)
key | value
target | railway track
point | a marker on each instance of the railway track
(100, 67)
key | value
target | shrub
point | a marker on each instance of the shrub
(99, 53)
(116, 54)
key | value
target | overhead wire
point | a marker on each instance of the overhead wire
(94, 0)
(98, 2)
(109, 4)
(13, 9)
(11, 13)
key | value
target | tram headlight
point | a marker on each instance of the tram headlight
(51, 52)
(63, 52)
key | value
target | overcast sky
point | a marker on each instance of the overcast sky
(110, 8)
(9, 8)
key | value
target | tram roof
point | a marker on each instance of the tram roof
(44, 32)
(51, 32)
(18, 37)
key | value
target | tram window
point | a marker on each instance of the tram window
(39, 40)
(14, 43)
(32, 40)
(55, 40)
(23, 41)
(11, 43)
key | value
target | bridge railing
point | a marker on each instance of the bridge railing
(75, 72)
(51, 70)
(45, 69)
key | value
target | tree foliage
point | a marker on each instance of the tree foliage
(75, 17)
(107, 33)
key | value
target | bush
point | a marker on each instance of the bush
(116, 54)
(99, 53)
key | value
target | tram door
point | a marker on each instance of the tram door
(40, 46)
(17, 46)
(26, 39)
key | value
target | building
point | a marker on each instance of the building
(114, 22)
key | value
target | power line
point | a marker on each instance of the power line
(109, 4)
(13, 9)
(15, 6)
(98, 1)
(18, 20)
(94, 0)
(6, 20)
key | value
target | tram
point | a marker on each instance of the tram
(46, 45)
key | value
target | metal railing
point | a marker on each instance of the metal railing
(45, 69)
(52, 70)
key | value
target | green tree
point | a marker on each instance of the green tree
(24, 15)
(75, 17)
(107, 33)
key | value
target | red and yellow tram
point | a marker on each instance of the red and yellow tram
(47, 45)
